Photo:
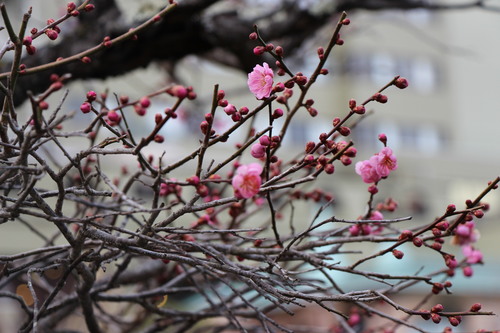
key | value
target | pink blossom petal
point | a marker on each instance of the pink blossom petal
(260, 81)
(246, 182)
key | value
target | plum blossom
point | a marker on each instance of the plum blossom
(260, 81)
(385, 162)
(473, 256)
(366, 169)
(466, 234)
(378, 166)
(246, 182)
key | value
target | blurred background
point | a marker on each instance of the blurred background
(444, 128)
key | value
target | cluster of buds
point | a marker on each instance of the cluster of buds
(86, 106)
(315, 195)
(283, 98)
(170, 187)
(358, 109)
(53, 32)
(181, 92)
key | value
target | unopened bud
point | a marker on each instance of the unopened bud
(259, 50)
(435, 318)
(344, 130)
(401, 83)
(437, 308)
(475, 307)
(329, 168)
(397, 254)
(418, 242)
(85, 107)
(451, 208)
(360, 109)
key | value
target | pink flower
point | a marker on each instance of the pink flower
(463, 231)
(367, 171)
(385, 162)
(260, 81)
(378, 166)
(466, 234)
(473, 256)
(246, 182)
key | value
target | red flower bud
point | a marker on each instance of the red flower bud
(312, 111)
(354, 319)
(56, 85)
(352, 104)
(91, 96)
(27, 40)
(401, 83)
(158, 118)
(30, 49)
(344, 130)
(360, 109)
(243, 110)
(202, 190)
(437, 308)
(204, 126)
(309, 146)
(382, 99)
(425, 315)
(85, 107)
(436, 246)
(277, 113)
(114, 116)
(405, 234)
(236, 117)
(436, 318)
(300, 79)
(451, 208)
(139, 110)
(159, 138)
(329, 168)
(43, 105)
(454, 321)
(397, 254)
(436, 232)
(52, 34)
(71, 7)
(467, 271)
(309, 159)
(475, 307)
(259, 50)
(145, 102)
(418, 242)
(443, 225)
